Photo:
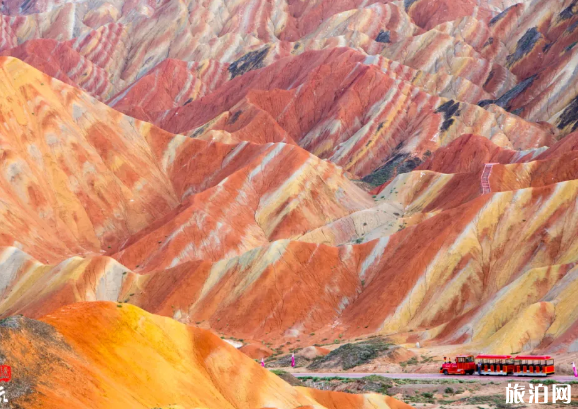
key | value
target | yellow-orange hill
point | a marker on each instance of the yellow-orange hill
(108, 355)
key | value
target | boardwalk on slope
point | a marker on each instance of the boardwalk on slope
(486, 178)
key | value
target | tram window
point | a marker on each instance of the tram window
(550, 362)
(470, 359)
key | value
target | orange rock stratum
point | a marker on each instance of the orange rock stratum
(119, 356)
(280, 172)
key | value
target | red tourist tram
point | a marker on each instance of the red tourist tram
(464, 365)
(521, 365)
(533, 365)
(495, 364)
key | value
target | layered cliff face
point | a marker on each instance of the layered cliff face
(520, 53)
(288, 171)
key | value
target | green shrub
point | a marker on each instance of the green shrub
(351, 355)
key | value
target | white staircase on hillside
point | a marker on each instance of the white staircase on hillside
(486, 178)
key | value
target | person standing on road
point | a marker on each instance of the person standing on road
(293, 360)
(262, 362)
(575, 371)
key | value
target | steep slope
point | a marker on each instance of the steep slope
(243, 201)
(458, 265)
(518, 51)
(73, 168)
(105, 182)
(326, 108)
(170, 84)
(103, 355)
(282, 192)
(150, 60)
(65, 64)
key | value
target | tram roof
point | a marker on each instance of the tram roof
(537, 357)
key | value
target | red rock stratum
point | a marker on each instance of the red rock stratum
(287, 171)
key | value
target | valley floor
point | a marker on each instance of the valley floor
(435, 391)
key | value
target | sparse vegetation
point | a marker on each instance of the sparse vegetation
(552, 382)
(287, 377)
(352, 354)
(412, 361)
(369, 384)
(426, 359)
(496, 401)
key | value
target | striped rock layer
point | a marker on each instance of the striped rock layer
(287, 171)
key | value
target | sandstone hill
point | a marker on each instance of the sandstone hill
(107, 355)
(295, 172)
